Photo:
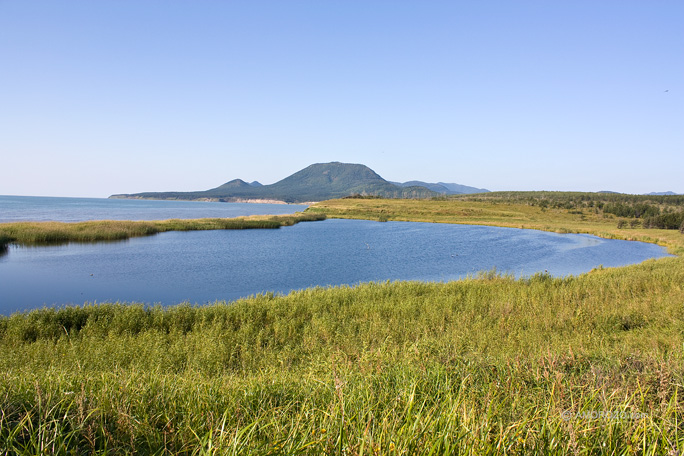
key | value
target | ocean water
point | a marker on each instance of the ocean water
(42, 208)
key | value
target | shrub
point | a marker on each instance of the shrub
(668, 221)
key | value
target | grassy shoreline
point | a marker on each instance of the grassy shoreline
(486, 365)
(509, 214)
(53, 233)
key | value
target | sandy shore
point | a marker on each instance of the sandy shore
(214, 200)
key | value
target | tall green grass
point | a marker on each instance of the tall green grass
(487, 365)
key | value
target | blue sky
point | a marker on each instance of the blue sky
(103, 97)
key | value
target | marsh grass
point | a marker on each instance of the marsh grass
(51, 233)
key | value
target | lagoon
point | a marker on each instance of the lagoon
(205, 266)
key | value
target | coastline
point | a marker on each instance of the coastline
(208, 200)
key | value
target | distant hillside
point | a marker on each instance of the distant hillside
(317, 182)
(443, 188)
(661, 193)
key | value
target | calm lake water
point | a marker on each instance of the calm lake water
(204, 266)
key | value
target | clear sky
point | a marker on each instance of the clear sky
(103, 97)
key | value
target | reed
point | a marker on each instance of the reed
(52, 233)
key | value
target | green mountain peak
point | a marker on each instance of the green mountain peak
(317, 182)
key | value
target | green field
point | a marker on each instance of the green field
(488, 365)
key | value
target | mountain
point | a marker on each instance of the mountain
(458, 188)
(443, 188)
(316, 182)
(235, 184)
(661, 193)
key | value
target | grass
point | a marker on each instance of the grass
(50, 233)
(484, 365)
(592, 364)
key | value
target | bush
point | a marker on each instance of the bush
(668, 221)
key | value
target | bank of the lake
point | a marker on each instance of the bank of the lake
(54, 233)
(487, 365)
(503, 212)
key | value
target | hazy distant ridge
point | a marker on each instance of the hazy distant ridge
(662, 193)
(317, 182)
(443, 187)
